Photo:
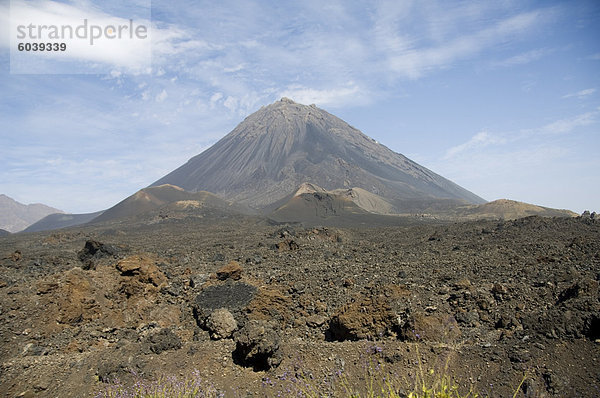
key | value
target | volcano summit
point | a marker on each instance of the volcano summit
(264, 160)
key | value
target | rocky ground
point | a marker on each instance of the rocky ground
(245, 302)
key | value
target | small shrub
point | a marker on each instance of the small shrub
(162, 387)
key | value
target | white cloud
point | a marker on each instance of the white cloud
(234, 68)
(215, 97)
(4, 23)
(231, 103)
(541, 165)
(162, 96)
(522, 59)
(567, 125)
(325, 97)
(581, 94)
(131, 54)
(478, 141)
(412, 61)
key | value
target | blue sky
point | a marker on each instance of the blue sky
(501, 97)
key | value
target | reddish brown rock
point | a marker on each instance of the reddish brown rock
(233, 270)
(370, 315)
(441, 328)
(144, 268)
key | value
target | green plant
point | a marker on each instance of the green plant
(433, 384)
(374, 381)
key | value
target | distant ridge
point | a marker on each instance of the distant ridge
(61, 220)
(509, 209)
(15, 216)
(282, 145)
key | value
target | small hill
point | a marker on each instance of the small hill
(153, 198)
(313, 205)
(313, 202)
(60, 220)
(4, 232)
(15, 216)
(508, 210)
(368, 201)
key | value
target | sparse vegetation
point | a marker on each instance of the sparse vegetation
(374, 382)
(162, 387)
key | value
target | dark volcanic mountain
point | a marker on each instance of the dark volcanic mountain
(273, 151)
(143, 201)
(61, 220)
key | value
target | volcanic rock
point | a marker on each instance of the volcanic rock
(162, 340)
(143, 268)
(257, 346)
(233, 296)
(232, 270)
(371, 315)
(221, 324)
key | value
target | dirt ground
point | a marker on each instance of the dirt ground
(246, 302)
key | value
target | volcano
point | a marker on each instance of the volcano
(263, 161)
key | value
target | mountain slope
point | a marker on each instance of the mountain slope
(153, 198)
(60, 220)
(15, 216)
(508, 210)
(274, 150)
(313, 205)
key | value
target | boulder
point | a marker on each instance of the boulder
(142, 267)
(220, 324)
(257, 346)
(232, 270)
(440, 328)
(163, 340)
(231, 295)
(371, 315)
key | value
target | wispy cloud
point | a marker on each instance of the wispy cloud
(581, 94)
(534, 165)
(522, 59)
(478, 141)
(414, 61)
(265, 53)
(567, 125)
(485, 143)
(351, 94)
